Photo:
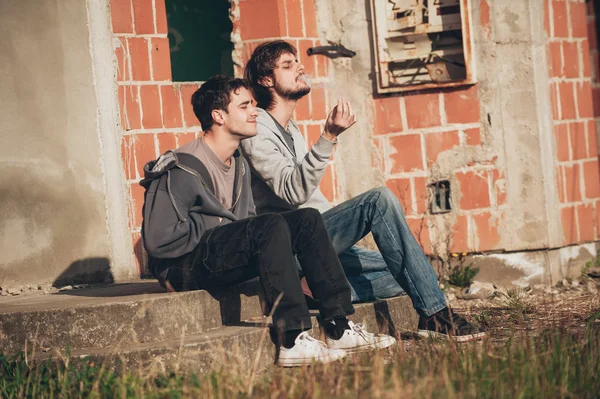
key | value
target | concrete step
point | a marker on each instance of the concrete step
(120, 314)
(241, 347)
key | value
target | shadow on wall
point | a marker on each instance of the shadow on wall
(85, 271)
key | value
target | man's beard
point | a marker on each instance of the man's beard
(291, 94)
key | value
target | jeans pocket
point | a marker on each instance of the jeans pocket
(226, 255)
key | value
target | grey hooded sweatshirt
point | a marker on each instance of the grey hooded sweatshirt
(180, 206)
(282, 181)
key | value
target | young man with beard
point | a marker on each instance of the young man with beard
(286, 175)
(201, 232)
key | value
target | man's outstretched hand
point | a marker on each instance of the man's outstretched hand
(339, 120)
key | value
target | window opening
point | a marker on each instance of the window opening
(441, 197)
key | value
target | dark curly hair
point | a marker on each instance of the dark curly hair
(215, 93)
(261, 64)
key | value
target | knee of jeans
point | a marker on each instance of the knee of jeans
(386, 195)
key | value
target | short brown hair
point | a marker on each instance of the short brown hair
(261, 64)
(215, 93)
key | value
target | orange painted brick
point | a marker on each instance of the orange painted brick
(561, 136)
(161, 17)
(120, 13)
(569, 225)
(459, 241)
(596, 100)
(186, 97)
(462, 105)
(485, 18)
(294, 18)
(567, 100)
(592, 137)
(387, 115)
(143, 17)
(587, 58)
(556, 59)
(327, 186)
(407, 156)
(572, 182)
(261, 19)
(591, 176)
(130, 107)
(473, 136)
(474, 190)
(166, 142)
(322, 65)
(488, 236)
(560, 184)
(571, 59)
(402, 190)
(137, 203)
(310, 18)
(578, 142)
(420, 184)
(303, 109)
(420, 230)
(554, 103)
(585, 219)
(559, 11)
(184, 138)
(318, 99)
(140, 58)
(151, 110)
(161, 59)
(128, 158)
(591, 33)
(171, 109)
(313, 133)
(422, 110)
(578, 16)
(145, 151)
(436, 143)
(309, 62)
(122, 61)
(585, 102)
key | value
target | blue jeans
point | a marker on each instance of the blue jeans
(399, 267)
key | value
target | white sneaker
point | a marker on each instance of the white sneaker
(307, 350)
(357, 339)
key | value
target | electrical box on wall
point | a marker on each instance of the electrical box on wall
(422, 44)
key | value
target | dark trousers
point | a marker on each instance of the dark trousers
(265, 246)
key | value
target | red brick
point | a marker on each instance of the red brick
(151, 111)
(499, 183)
(559, 10)
(161, 17)
(402, 191)
(143, 145)
(166, 142)
(556, 59)
(585, 102)
(161, 59)
(327, 186)
(308, 61)
(577, 135)
(596, 100)
(137, 202)
(294, 18)
(130, 107)
(597, 219)
(572, 182)
(310, 18)
(462, 105)
(184, 138)
(318, 99)
(560, 184)
(460, 235)
(128, 158)
(122, 61)
(547, 28)
(591, 176)
(473, 136)
(585, 219)
(578, 19)
(261, 19)
(436, 143)
(587, 59)
(592, 136)
(322, 66)
(422, 110)
(571, 57)
(487, 231)
(474, 190)
(313, 133)
(554, 101)
(420, 230)
(139, 252)
(569, 226)
(408, 153)
(591, 34)
(567, 101)
(143, 16)
(140, 59)
(561, 136)
(186, 97)
(387, 118)
(420, 184)
(485, 18)
(171, 109)
(120, 12)
(303, 109)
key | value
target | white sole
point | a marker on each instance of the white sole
(368, 347)
(457, 338)
(306, 361)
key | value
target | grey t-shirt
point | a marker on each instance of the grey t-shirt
(222, 175)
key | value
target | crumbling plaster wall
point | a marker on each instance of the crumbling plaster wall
(515, 121)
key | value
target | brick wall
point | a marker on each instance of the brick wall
(573, 72)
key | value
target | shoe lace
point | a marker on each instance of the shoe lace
(310, 340)
(359, 328)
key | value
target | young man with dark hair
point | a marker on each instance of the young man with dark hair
(201, 232)
(286, 175)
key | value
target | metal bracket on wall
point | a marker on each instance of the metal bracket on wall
(332, 51)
